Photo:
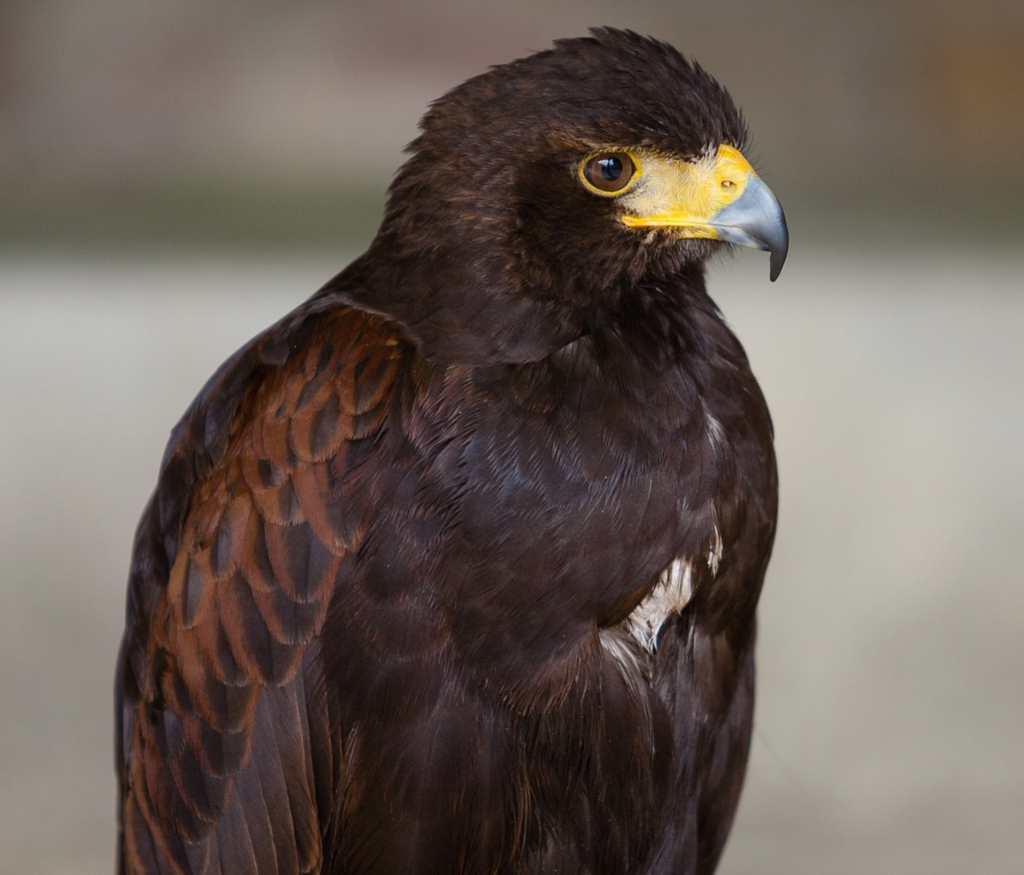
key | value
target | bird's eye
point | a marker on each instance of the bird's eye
(609, 172)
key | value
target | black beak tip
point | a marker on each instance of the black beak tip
(778, 248)
(778, 258)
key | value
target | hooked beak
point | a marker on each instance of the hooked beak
(718, 197)
(755, 219)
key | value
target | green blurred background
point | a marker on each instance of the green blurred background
(175, 176)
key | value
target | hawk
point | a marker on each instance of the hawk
(454, 569)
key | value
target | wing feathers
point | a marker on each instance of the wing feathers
(302, 565)
(234, 568)
(262, 657)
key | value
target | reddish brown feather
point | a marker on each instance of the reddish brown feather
(319, 427)
(257, 559)
(229, 543)
(216, 656)
(270, 442)
(290, 621)
(262, 657)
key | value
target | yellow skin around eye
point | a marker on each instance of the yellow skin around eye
(669, 193)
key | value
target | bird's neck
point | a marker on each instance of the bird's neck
(663, 321)
(474, 312)
(458, 311)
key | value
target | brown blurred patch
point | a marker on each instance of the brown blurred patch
(973, 83)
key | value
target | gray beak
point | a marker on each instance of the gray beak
(755, 219)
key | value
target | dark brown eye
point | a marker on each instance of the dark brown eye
(609, 172)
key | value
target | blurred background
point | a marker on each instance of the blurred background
(176, 176)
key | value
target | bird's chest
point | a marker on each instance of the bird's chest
(577, 502)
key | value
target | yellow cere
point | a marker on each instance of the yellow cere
(685, 194)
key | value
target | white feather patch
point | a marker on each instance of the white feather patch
(617, 644)
(715, 553)
(669, 596)
(716, 431)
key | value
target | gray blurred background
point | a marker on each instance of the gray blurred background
(175, 176)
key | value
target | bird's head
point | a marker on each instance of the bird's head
(546, 189)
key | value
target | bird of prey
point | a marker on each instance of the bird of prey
(454, 569)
